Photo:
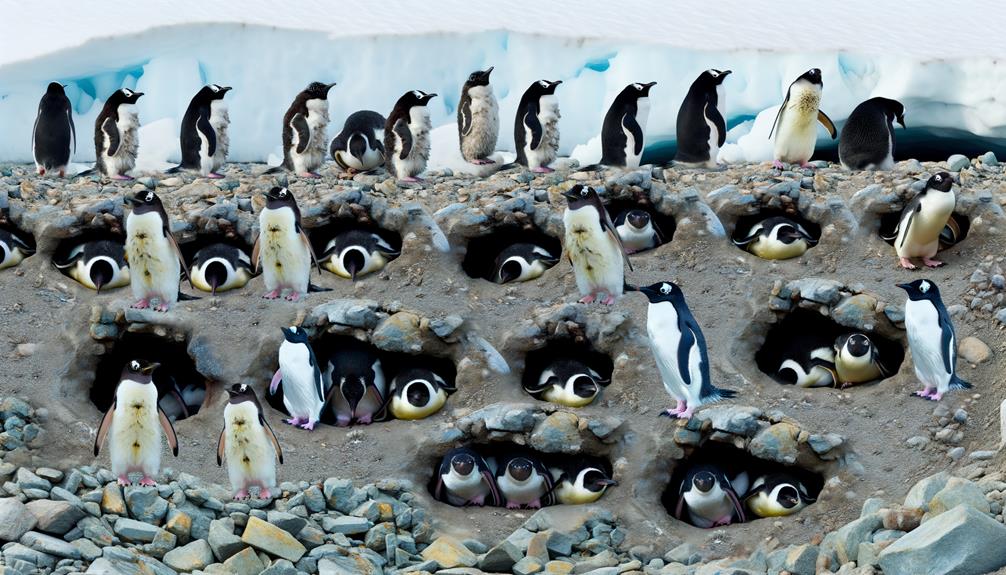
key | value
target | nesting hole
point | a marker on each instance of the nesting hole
(177, 372)
(191, 248)
(744, 223)
(27, 238)
(321, 236)
(953, 233)
(538, 360)
(480, 257)
(67, 245)
(665, 224)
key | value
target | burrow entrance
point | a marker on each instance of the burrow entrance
(664, 224)
(743, 470)
(802, 332)
(18, 236)
(482, 252)
(176, 377)
(324, 236)
(557, 350)
(744, 224)
(953, 233)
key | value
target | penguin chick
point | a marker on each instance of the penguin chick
(304, 126)
(581, 481)
(777, 495)
(923, 221)
(593, 246)
(282, 248)
(249, 444)
(14, 249)
(99, 264)
(417, 393)
(359, 146)
(356, 253)
(220, 267)
(522, 262)
(795, 125)
(524, 482)
(407, 136)
(931, 340)
(464, 478)
(708, 498)
(777, 238)
(857, 360)
(536, 126)
(637, 230)
(116, 131)
(569, 382)
(478, 118)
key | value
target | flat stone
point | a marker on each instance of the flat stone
(146, 504)
(244, 562)
(537, 548)
(777, 443)
(55, 517)
(849, 536)
(287, 521)
(558, 433)
(960, 541)
(346, 524)
(20, 552)
(112, 502)
(49, 545)
(350, 565)
(272, 540)
(222, 539)
(15, 519)
(448, 552)
(135, 531)
(526, 566)
(26, 479)
(195, 555)
(502, 557)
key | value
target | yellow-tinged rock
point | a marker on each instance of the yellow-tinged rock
(448, 552)
(273, 540)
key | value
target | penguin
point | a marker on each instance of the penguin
(203, 137)
(951, 234)
(134, 424)
(303, 385)
(701, 127)
(806, 362)
(931, 340)
(569, 382)
(522, 262)
(536, 126)
(795, 125)
(304, 127)
(578, 482)
(356, 386)
(478, 118)
(282, 248)
(407, 136)
(923, 221)
(249, 444)
(524, 482)
(116, 131)
(54, 135)
(14, 249)
(777, 238)
(637, 230)
(593, 246)
(679, 349)
(777, 495)
(359, 147)
(624, 127)
(464, 478)
(97, 265)
(175, 401)
(867, 140)
(417, 393)
(857, 360)
(155, 261)
(356, 253)
(220, 267)
(709, 498)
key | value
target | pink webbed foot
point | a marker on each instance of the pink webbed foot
(365, 419)
(806, 165)
(777, 165)
(293, 296)
(308, 425)
(687, 413)
(535, 504)
(310, 175)
(478, 501)
(241, 495)
(410, 179)
(906, 263)
(483, 161)
(925, 393)
(214, 176)
(681, 406)
(162, 307)
(936, 396)
(294, 421)
(588, 299)
(122, 177)
(342, 421)
(264, 494)
(41, 171)
(147, 481)
(274, 294)
(141, 304)
(512, 505)
(124, 481)
(723, 521)
(542, 170)
(931, 262)
(608, 299)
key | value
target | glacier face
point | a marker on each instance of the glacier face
(268, 66)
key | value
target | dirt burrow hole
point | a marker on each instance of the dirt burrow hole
(327, 235)
(621, 208)
(569, 352)
(485, 253)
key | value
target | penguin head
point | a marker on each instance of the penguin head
(520, 468)
(542, 88)
(101, 273)
(412, 99)
(279, 197)
(463, 464)
(580, 196)
(353, 388)
(139, 370)
(921, 289)
(704, 481)
(788, 497)
(240, 392)
(216, 274)
(354, 259)
(479, 78)
(123, 96)
(510, 270)
(55, 89)
(145, 201)
(942, 182)
(595, 480)
(417, 393)
(894, 110)
(211, 92)
(637, 90)
(584, 386)
(659, 292)
(294, 334)
(786, 233)
(714, 77)
(317, 91)
(858, 345)
(812, 76)
(638, 219)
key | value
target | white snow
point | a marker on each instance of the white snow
(948, 75)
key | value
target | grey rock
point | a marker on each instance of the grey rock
(223, 542)
(18, 552)
(15, 519)
(346, 524)
(686, 554)
(136, 531)
(145, 504)
(958, 492)
(989, 159)
(957, 162)
(28, 480)
(848, 537)
(961, 541)
(49, 545)
(195, 555)
(923, 491)
(817, 290)
(56, 517)
(501, 558)
(286, 521)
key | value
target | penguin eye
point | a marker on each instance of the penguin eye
(417, 94)
(149, 197)
(282, 193)
(638, 86)
(134, 365)
(543, 83)
(127, 92)
(583, 192)
(924, 286)
(938, 178)
(665, 289)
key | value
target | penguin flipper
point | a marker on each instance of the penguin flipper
(713, 113)
(613, 234)
(186, 297)
(629, 123)
(256, 249)
(311, 288)
(738, 508)
(753, 234)
(271, 434)
(490, 479)
(112, 133)
(778, 115)
(405, 137)
(538, 387)
(174, 170)
(169, 431)
(534, 126)
(310, 248)
(106, 424)
(299, 125)
(181, 258)
(465, 114)
(827, 123)
(71, 259)
(548, 498)
(73, 129)
(221, 446)
(204, 128)
(911, 209)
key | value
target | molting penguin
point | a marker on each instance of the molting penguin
(867, 141)
(857, 360)
(97, 265)
(709, 498)
(303, 385)
(701, 128)
(115, 134)
(220, 267)
(679, 349)
(593, 246)
(522, 262)
(581, 481)
(624, 127)
(464, 478)
(356, 386)
(135, 422)
(356, 253)
(282, 247)
(524, 482)
(568, 382)
(536, 126)
(417, 393)
(637, 230)
(155, 261)
(407, 136)
(359, 146)
(923, 220)
(478, 118)
(54, 135)
(13, 250)
(777, 238)
(777, 495)
(249, 444)
(795, 125)
(931, 340)
(203, 136)
(304, 127)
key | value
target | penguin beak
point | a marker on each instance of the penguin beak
(329, 86)
(489, 71)
(226, 89)
(430, 96)
(570, 195)
(150, 369)
(726, 72)
(65, 85)
(607, 482)
(905, 287)
(557, 82)
(901, 120)
(650, 84)
(129, 200)
(137, 94)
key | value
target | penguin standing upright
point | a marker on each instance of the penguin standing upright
(464, 478)
(777, 495)
(356, 386)
(134, 423)
(203, 135)
(536, 126)
(593, 246)
(525, 482)
(701, 128)
(521, 262)
(624, 127)
(931, 340)
(356, 253)
(360, 145)
(220, 267)
(679, 349)
(478, 118)
(13, 250)
(303, 385)
(581, 481)
(418, 392)
(867, 140)
(567, 381)
(115, 134)
(249, 444)
(857, 360)
(155, 262)
(282, 247)
(304, 127)
(97, 265)
(923, 220)
(795, 125)
(407, 136)
(54, 135)
(637, 230)
(709, 498)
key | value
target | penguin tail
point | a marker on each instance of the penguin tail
(83, 173)
(311, 288)
(717, 394)
(174, 170)
(591, 168)
(958, 383)
(186, 297)
(274, 170)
